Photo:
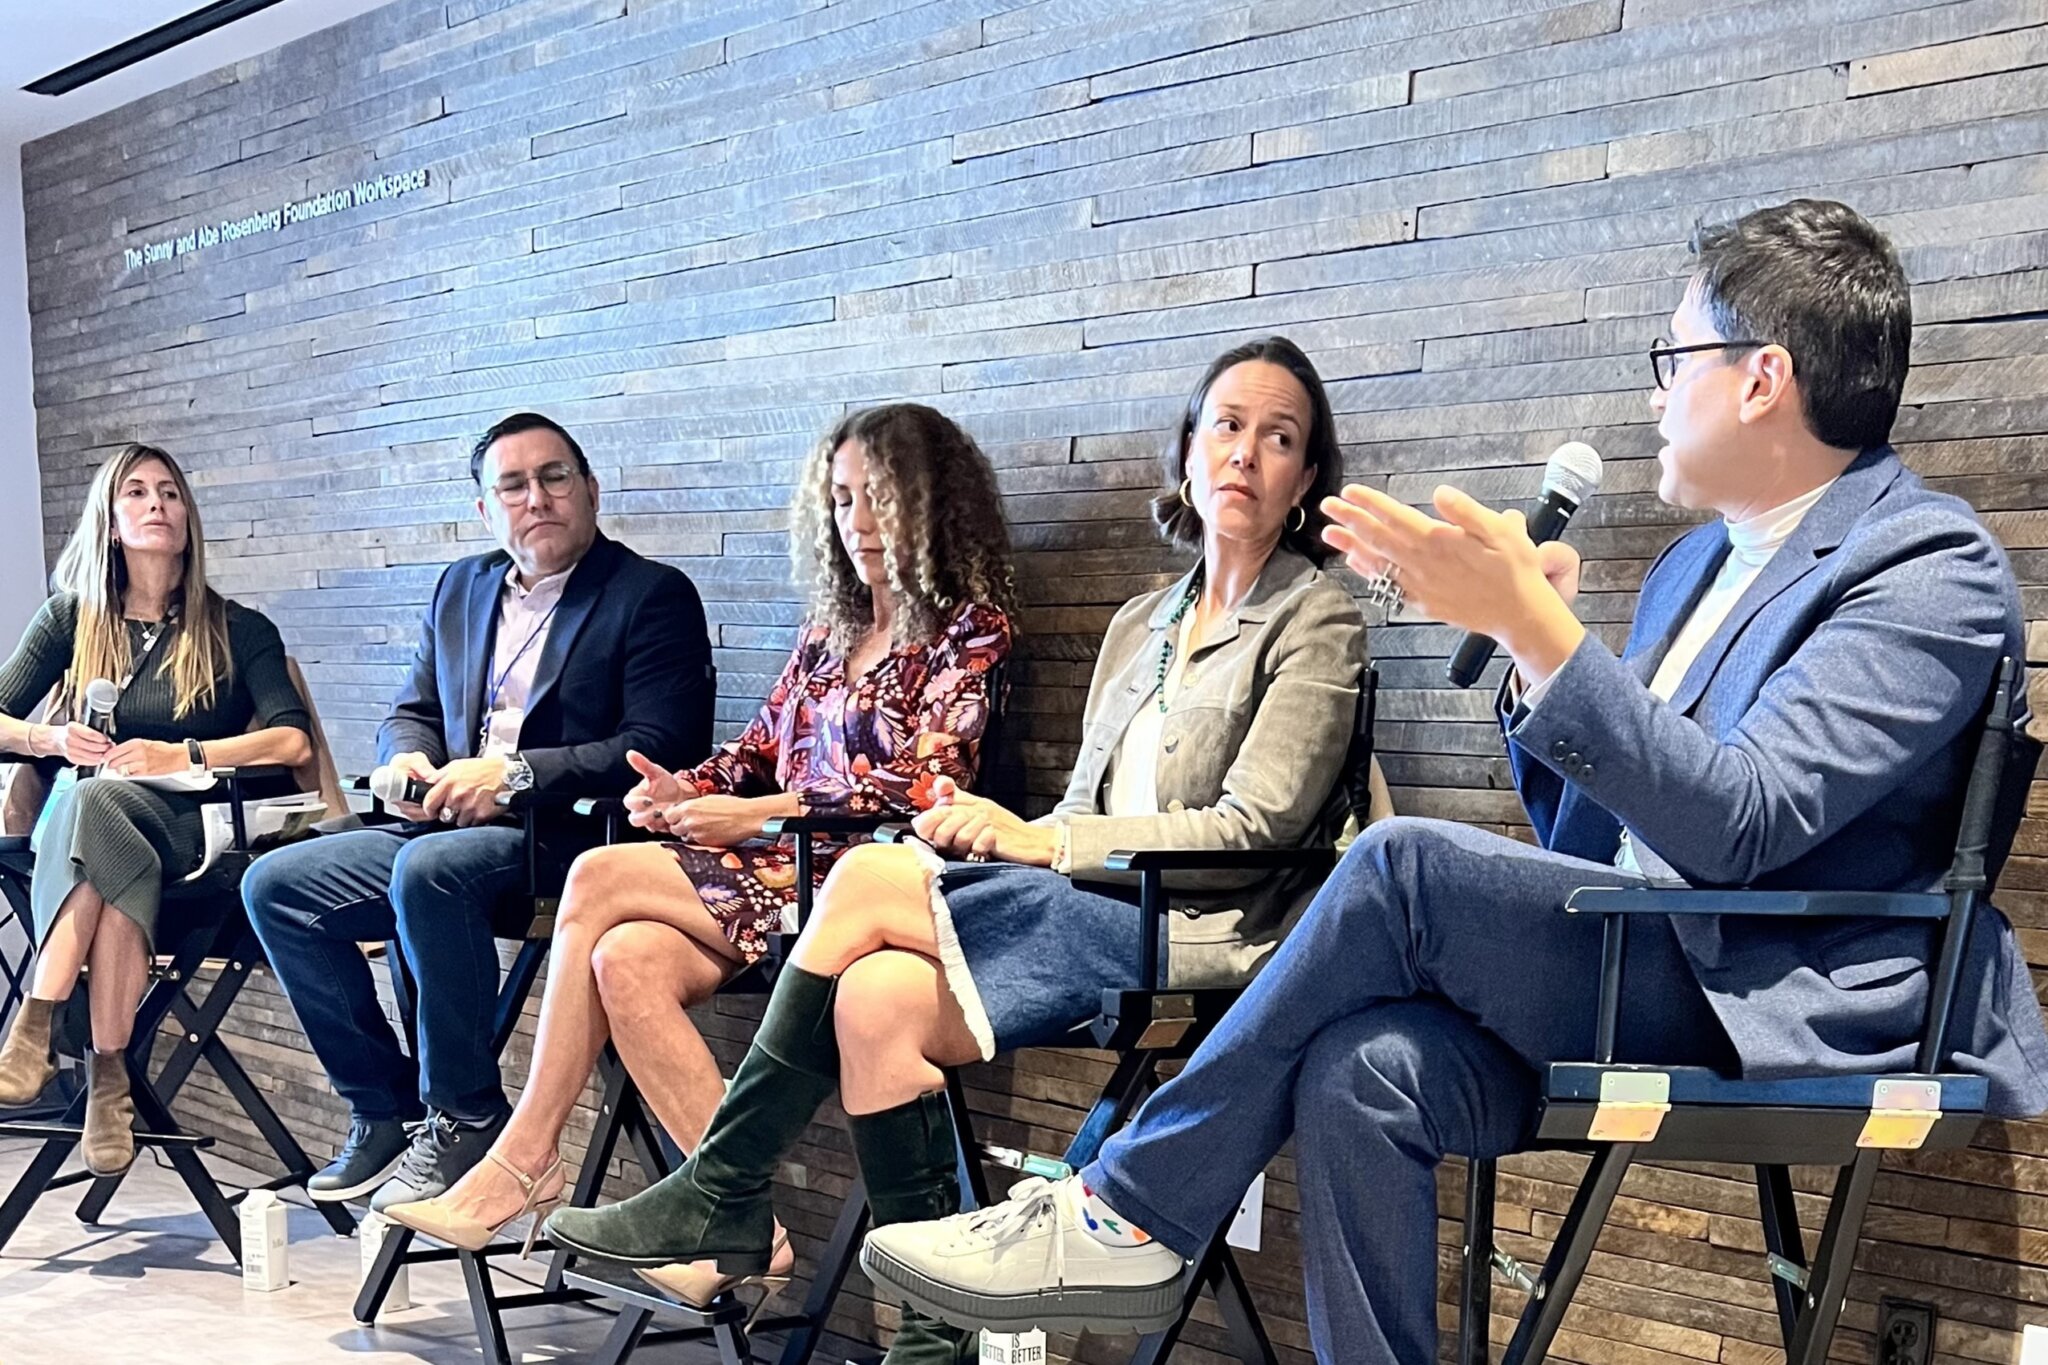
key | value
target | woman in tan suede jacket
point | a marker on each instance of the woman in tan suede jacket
(1219, 717)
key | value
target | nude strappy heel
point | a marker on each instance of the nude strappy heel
(697, 1283)
(437, 1218)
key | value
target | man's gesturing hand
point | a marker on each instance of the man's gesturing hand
(1469, 566)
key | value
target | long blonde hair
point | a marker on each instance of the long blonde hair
(95, 569)
(935, 500)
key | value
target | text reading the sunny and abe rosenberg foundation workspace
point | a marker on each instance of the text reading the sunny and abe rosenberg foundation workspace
(336, 200)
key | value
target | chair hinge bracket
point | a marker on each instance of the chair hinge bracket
(1171, 1016)
(1787, 1270)
(1632, 1106)
(1902, 1114)
(1515, 1273)
(1049, 1168)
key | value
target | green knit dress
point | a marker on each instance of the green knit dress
(129, 840)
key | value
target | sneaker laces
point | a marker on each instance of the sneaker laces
(430, 1137)
(1029, 1203)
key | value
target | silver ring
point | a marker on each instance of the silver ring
(1383, 590)
(974, 857)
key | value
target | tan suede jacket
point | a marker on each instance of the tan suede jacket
(1251, 753)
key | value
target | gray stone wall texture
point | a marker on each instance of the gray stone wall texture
(697, 231)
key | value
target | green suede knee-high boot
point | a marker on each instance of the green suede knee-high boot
(908, 1159)
(717, 1205)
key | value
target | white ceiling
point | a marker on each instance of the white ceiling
(46, 35)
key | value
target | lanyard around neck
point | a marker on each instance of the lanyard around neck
(495, 687)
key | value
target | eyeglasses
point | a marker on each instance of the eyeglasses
(1664, 356)
(556, 479)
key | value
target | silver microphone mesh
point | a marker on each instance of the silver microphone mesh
(101, 696)
(1573, 472)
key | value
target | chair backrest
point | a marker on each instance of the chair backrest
(319, 773)
(27, 781)
(1994, 802)
(1364, 788)
(992, 733)
(27, 789)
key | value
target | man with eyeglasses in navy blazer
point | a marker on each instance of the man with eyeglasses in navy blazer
(540, 664)
(1797, 707)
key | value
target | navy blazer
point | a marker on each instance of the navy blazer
(1821, 740)
(626, 665)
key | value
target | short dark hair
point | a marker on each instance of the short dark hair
(1818, 279)
(1182, 525)
(512, 426)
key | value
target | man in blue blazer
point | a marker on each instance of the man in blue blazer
(1796, 706)
(539, 666)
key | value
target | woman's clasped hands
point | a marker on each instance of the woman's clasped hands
(960, 824)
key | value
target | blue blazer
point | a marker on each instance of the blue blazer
(626, 665)
(1821, 740)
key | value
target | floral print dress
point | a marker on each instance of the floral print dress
(872, 745)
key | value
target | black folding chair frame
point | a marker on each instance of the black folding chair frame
(1768, 1125)
(221, 933)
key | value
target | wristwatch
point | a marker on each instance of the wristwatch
(197, 755)
(518, 773)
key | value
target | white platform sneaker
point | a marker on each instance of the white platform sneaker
(1028, 1262)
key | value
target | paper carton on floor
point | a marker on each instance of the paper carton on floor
(266, 1254)
(375, 1228)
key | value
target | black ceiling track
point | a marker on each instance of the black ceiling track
(141, 48)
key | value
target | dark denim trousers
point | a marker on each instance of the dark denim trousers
(313, 902)
(1403, 1019)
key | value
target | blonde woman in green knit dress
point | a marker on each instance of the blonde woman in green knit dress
(203, 684)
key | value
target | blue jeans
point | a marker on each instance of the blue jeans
(312, 903)
(1402, 1020)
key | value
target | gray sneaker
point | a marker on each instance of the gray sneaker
(443, 1151)
(367, 1159)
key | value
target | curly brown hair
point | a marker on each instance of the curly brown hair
(934, 495)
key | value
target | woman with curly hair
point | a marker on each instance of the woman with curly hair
(1217, 719)
(897, 531)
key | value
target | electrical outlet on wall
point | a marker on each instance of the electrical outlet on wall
(1905, 1332)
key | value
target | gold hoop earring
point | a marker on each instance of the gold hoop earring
(1302, 513)
(1186, 486)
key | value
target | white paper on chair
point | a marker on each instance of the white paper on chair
(273, 819)
(184, 780)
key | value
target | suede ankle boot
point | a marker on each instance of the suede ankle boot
(717, 1205)
(27, 1064)
(909, 1161)
(108, 1144)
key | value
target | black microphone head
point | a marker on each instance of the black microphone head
(1572, 472)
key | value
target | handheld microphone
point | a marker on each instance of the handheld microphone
(1569, 477)
(395, 788)
(101, 697)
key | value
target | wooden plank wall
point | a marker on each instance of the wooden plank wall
(698, 230)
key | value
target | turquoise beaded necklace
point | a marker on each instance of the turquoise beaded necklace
(1172, 631)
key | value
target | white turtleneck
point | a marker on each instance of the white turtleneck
(1751, 543)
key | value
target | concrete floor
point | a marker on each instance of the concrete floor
(153, 1285)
